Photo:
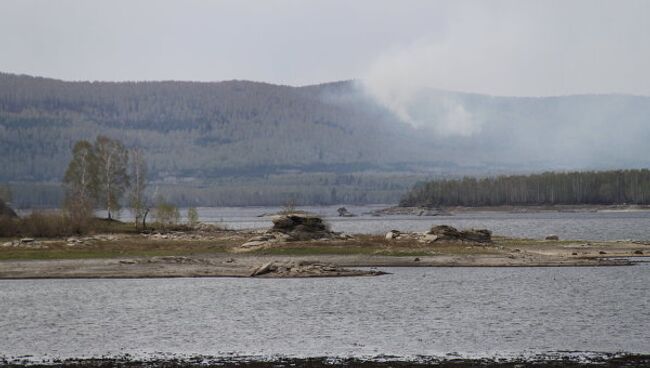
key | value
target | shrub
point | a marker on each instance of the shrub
(192, 217)
(46, 225)
(166, 215)
(9, 226)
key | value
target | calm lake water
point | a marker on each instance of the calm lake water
(475, 312)
(568, 225)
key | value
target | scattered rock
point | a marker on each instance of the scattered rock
(344, 236)
(411, 211)
(265, 268)
(429, 238)
(393, 234)
(343, 212)
(433, 212)
(552, 237)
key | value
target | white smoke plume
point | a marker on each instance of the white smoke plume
(513, 48)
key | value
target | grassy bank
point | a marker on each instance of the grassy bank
(228, 242)
(130, 244)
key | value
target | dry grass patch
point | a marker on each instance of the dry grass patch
(125, 247)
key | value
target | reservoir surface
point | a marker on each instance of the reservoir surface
(474, 312)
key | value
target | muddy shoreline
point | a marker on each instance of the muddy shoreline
(541, 361)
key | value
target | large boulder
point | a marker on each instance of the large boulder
(6, 211)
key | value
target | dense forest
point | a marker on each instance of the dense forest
(192, 129)
(550, 188)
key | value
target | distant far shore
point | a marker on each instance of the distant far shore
(442, 211)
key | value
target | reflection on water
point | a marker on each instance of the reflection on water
(473, 311)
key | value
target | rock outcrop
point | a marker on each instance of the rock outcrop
(301, 227)
(295, 227)
(306, 269)
(444, 233)
(449, 233)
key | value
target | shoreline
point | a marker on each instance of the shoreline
(244, 266)
(457, 210)
(565, 360)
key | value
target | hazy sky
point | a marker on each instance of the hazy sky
(518, 47)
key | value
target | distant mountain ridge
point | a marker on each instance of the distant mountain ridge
(195, 128)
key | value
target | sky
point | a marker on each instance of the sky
(396, 48)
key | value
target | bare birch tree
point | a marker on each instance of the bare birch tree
(137, 200)
(113, 179)
(80, 183)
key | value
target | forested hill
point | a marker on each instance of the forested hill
(193, 129)
(231, 142)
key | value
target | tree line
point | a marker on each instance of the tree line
(549, 188)
(100, 174)
(103, 174)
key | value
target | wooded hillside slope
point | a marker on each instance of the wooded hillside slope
(229, 142)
